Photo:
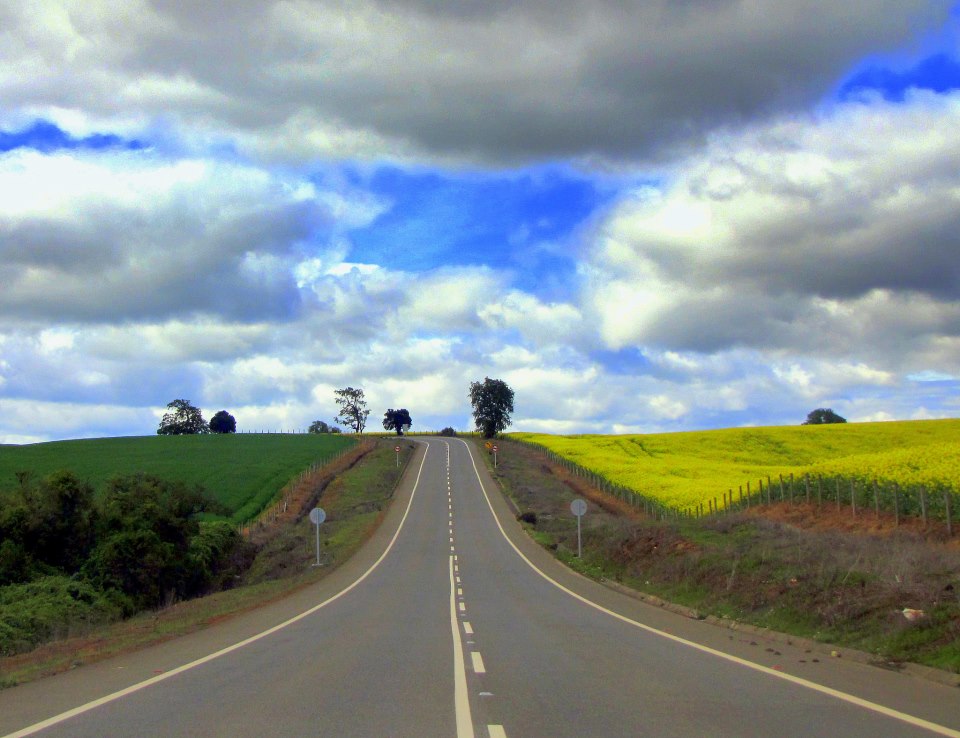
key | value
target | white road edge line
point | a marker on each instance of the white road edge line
(852, 699)
(63, 716)
(461, 697)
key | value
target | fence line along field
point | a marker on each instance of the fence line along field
(242, 471)
(681, 471)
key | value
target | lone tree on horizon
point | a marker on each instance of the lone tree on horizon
(184, 420)
(823, 416)
(397, 420)
(223, 422)
(353, 408)
(492, 402)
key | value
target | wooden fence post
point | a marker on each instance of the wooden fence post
(946, 504)
(896, 504)
(819, 490)
(853, 498)
(923, 505)
(806, 484)
(876, 498)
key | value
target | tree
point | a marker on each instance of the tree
(318, 426)
(492, 402)
(184, 420)
(353, 408)
(223, 422)
(822, 416)
(398, 420)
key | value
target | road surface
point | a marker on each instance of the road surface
(450, 622)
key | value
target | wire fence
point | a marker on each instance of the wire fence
(860, 496)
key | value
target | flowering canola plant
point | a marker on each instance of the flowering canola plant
(685, 469)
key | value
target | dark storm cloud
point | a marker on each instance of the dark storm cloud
(493, 81)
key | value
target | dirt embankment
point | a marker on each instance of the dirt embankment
(299, 497)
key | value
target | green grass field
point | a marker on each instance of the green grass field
(243, 471)
(682, 469)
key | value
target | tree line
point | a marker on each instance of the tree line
(139, 543)
(492, 402)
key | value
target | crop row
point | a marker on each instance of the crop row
(909, 468)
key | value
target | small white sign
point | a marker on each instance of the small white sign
(317, 515)
(578, 507)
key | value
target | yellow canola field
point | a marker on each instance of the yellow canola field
(685, 469)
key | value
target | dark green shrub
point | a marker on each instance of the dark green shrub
(218, 556)
(50, 607)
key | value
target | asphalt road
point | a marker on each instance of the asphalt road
(450, 622)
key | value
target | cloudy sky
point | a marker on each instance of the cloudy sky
(644, 216)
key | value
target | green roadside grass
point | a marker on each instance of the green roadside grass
(244, 471)
(355, 503)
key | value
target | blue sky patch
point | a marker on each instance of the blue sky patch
(46, 137)
(939, 73)
(626, 361)
(525, 224)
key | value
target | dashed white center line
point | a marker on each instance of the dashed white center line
(459, 591)
(463, 607)
(467, 628)
(477, 660)
(496, 731)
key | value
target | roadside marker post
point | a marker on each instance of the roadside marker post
(494, 456)
(317, 516)
(578, 507)
(397, 449)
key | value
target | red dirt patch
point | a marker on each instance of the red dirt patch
(866, 522)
